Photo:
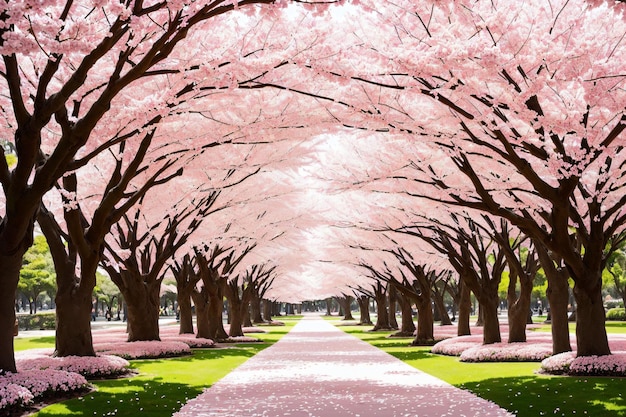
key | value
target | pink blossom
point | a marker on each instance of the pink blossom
(144, 349)
(41, 382)
(88, 366)
(507, 352)
(14, 395)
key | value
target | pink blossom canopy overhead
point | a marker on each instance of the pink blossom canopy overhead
(345, 112)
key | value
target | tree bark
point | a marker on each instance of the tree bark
(425, 320)
(558, 299)
(392, 294)
(143, 309)
(364, 309)
(345, 302)
(10, 266)
(185, 312)
(267, 310)
(236, 319)
(441, 308)
(591, 336)
(216, 315)
(519, 307)
(382, 315)
(465, 309)
(491, 324)
(201, 301)
(73, 316)
(247, 318)
(407, 328)
(255, 308)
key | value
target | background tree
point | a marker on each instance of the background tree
(37, 273)
(107, 292)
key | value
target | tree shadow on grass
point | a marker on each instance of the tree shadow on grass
(161, 386)
(554, 396)
(127, 397)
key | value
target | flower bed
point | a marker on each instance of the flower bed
(101, 366)
(144, 349)
(507, 352)
(13, 397)
(19, 390)
(568, 364)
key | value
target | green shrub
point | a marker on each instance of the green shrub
(39, 321)
(616, 314)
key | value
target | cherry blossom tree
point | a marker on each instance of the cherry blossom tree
(520, 113)
(70, 73)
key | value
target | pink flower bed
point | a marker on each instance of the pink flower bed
(13, 396)
(507, 352)
(101, 366)
(18, 390)
(568, 364)
(455, 346)
(45, 381)
(144, 349)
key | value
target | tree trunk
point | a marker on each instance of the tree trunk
(143, 311)
(10, 266)
(382, 315)
(329, 305)
(558, 299)
(216, 317)
(345, 302)
(491, 324)
(73, 316)
(364, 309)
(201, 301)
(441, 308)
(465, 309)
(267, 310)
(591, 337)
(142, 303)
(407, 328)
(425, 320)
(185, 312)
(236, 320)
(247, 319)
(519, 308)
(392, 306)
(255, 308)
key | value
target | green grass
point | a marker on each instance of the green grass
(161, 386)
(23, 343)
(514, 386)
(618, 327)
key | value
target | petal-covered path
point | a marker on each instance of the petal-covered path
(318, 370)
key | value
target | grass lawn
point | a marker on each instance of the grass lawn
(514, 386)
(611, 327)
(161, 386)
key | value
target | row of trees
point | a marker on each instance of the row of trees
(471, 117)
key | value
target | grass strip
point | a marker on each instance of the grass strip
(161, 386)
(514, 386)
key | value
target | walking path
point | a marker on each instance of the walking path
(318, 370)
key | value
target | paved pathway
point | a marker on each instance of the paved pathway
(318, 370)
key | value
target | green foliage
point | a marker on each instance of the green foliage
(39, 321)
(503, 286)
(614, 276)
(11, 159)
(37, 274)
(616, 314)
